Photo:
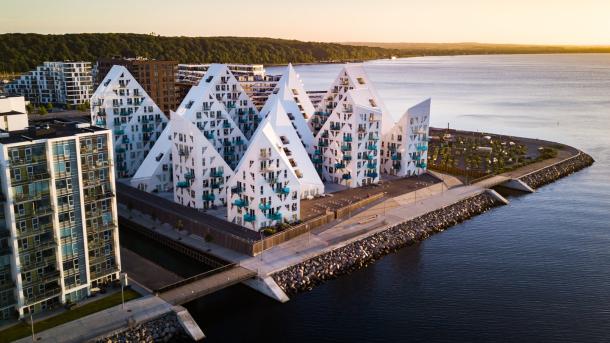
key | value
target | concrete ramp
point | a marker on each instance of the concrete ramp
(188, 323)
(518, 185)
(497, 196)
(268, 287)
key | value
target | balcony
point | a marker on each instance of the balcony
(274, 216)
(396, 157)
(208, 197)
(371, 147)
(324, 134)
(119, 150)
(373, 137)
(148, 129)
(368, 157)
(339, 165)
(237, 190)
(346, 177)
(264, 156)
(372, 174)
(347, 157)
(422, 147)
(347, 138)
(119, 132)
(316, 159)
(216, 173)
(182, 184)
(264, 206)
(240, 202)
(317, 152)
(209, 135)
(216, 185)
(335, 126)
(189, 176)
(421, 165)
(321, 113)
(283, 190)
(226, 125)
(322, 144)
(249, 217)
(346, 148)
(239, 142)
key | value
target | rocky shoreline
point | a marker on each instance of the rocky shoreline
(163, 329)
(306, 275)
(359, 254)
(558, 171)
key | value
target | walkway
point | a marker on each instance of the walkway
(375, 219)
(210, 284)
(101, 323)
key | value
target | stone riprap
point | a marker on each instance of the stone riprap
(163, 329)
(304, 276)
(552, 173)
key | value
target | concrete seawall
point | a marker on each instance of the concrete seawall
(316, 270)
(557, 171)
(359, 254)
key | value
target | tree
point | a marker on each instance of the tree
(30, 108)
(49, 106)
(42, 110)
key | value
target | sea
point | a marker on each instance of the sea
(537, 270)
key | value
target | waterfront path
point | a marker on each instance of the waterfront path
(105, 322)
(374, 219)
(210, 284)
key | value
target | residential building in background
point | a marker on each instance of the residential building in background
(264, 190)
(122, 105)
(200, 172)
(404, 150)
(58, 224)
(13, 114)
(156, 77)
(252, 77)
(58, 83)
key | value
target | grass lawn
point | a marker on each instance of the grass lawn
(22, 329)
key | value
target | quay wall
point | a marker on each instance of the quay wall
(307, 274)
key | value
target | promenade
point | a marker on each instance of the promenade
(104, 322)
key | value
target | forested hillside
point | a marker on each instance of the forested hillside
(21, 52)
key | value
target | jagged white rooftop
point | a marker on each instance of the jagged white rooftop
(310, 181)
(351, 77)
(297, 104)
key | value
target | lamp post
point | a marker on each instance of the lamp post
(32, 325)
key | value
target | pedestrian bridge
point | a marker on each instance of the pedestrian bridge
(203, 284)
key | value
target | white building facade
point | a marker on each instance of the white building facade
(56, 83)
(296, 103)
(123, 106)
(404, 150)
(200, 173)
(264, 190)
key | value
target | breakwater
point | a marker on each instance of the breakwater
(557, 171)
(304, 276)
(163, 329)
(307, 274)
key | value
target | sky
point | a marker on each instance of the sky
(579, 22)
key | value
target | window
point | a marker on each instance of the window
(22, 226)
(35, 223)
(23, 243)
(17, 174)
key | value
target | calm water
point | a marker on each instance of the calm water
(536, 270)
